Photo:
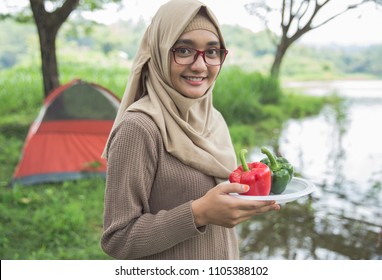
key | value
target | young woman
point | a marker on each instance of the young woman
(169, 153)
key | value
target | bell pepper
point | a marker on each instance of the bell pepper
(256, 175)
(282, 171)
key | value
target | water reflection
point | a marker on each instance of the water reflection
(340, 151)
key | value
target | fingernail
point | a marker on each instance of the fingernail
(245, 188)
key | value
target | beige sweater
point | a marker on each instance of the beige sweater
(148, 198)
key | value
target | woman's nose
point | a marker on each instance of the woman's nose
(199, 63)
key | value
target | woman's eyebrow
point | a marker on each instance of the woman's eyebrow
(184, 42)
(192, 43)
(213, 43)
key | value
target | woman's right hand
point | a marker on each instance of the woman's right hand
(219, 208)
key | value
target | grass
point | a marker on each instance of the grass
(64, 221)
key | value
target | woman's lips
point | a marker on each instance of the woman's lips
(194, 80)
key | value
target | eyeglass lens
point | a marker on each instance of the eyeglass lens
(188, 56)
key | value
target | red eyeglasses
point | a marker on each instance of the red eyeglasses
(186, 56)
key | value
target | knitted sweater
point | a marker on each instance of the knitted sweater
(148, 199)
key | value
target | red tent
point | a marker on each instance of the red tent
(67, 138)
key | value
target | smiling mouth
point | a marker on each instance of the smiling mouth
(194, 79)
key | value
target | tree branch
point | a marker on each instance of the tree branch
(64, 11)
(286, 25)
(308, 26)
(283, 13)
(342, 12)
(303, 12)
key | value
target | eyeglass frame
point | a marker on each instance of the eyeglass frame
(198, 53)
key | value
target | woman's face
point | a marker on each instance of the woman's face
(195, 79)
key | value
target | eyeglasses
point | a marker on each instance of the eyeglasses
(186, 56)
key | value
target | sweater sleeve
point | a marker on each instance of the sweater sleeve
(130, 230)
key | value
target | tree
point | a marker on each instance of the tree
(297, 17)
(48, 24)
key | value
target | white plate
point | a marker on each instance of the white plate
(296, 188)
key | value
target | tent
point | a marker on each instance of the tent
(66, 140)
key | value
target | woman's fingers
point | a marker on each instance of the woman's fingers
(232, 188)
(244, 204)
(218, 207)
(257, 209)
(252, 205)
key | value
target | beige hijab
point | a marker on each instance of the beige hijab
(192, 129)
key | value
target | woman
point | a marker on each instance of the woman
(170, 152)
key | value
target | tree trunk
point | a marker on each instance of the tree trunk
(280, 53)
(48, 24)
(48, 59)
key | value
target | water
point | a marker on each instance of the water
(340, 150)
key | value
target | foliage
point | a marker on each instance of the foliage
(353, 61)
(257, 44)
(297, 105)
(123, 38)
(18, 42)
(245, 97)
(236, 90)
(252, 51)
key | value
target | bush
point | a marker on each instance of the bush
(241, 96)
(299, 105)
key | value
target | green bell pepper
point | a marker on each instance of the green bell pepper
(282, 171)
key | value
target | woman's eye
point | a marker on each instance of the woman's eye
(183, 51)
(212, 52)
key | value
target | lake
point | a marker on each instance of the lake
(340, 151)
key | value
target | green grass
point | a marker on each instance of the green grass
(64, 221)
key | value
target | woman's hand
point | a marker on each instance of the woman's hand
(219, 208)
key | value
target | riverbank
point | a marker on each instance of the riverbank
(339, 151)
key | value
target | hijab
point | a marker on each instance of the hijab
(192, 130)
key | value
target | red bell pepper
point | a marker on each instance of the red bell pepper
(256, 175)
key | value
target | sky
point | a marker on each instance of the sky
(357, 27)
